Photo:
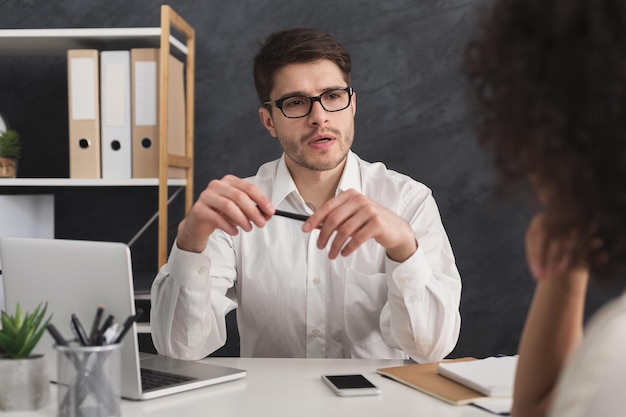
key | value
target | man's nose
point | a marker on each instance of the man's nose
(318, 113)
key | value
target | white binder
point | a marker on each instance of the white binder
(115, 114)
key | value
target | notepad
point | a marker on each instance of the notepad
(493, 376)
(424, 377)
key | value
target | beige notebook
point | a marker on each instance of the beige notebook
(424, 377)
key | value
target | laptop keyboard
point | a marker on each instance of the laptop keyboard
(151, 379)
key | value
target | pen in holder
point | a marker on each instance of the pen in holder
(89, 380)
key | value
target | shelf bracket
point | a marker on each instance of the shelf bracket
(153, 218)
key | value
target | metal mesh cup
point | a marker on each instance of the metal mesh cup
(89, 381)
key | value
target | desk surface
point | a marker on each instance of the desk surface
(288, 387)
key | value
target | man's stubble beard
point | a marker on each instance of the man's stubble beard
(292, 150)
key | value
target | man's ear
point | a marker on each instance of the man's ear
(266, 120)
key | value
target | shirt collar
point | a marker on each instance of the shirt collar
(351, 177)
(284, 185)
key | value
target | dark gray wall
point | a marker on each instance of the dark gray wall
(411, 115)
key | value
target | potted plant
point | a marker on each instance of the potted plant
(10, 152)
(24, 378)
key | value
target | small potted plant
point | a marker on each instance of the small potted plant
(10, 152)
(24, 378)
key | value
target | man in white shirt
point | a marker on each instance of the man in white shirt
(370, 274)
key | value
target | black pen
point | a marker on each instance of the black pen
(98, 339)
(127, 324)
(289, 215)
(107, 323)
(80, 331)
(96, 323)
(56, 335)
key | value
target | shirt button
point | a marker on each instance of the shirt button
(403, 280)
(316, 281)
(202, 270)
(315, 332)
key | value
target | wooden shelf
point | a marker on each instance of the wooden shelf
(56, 42)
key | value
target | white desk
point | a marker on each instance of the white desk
(288, 387)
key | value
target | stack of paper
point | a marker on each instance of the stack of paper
(493, 376)
(424, 377)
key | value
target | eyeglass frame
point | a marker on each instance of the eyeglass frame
(312, 99)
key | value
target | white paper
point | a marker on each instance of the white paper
(145, 93)
(499, 406)
(493, 376)
(115, 95)
(83, 88)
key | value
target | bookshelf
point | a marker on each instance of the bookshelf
(36, 42)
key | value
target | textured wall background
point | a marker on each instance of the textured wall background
(411, 115)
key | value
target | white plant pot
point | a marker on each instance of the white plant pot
(24, 383)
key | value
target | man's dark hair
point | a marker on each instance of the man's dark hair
(548, 94)
(299, 45)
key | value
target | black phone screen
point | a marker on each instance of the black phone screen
(350, 381)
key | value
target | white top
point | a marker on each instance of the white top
(592, 383)
(287, 388)
(292, 301)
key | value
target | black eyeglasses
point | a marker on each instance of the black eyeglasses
(295, 107)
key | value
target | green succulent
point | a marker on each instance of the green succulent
(10, 146)
(21, 332)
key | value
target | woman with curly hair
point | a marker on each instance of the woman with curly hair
(548, 93)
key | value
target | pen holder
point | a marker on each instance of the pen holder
(89, 380)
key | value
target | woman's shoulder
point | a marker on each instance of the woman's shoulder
(591, 383)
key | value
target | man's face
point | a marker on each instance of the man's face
(321, 140)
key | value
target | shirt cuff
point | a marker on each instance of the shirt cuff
(412, 273)
(189, 269)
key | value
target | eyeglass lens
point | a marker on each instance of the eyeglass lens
(331, 101)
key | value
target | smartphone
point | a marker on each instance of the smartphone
(350, 385)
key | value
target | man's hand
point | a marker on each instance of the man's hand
(356, 219)
(225, 204)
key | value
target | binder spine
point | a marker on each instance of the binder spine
(84, 113)
(115, 114)
(145, 114)
(176, 129)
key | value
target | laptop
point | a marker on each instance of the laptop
(75, 276)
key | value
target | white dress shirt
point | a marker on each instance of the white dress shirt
(293, 301)
(592, 381)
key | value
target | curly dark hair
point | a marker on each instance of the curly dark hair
(547, 82)
(298, 45)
